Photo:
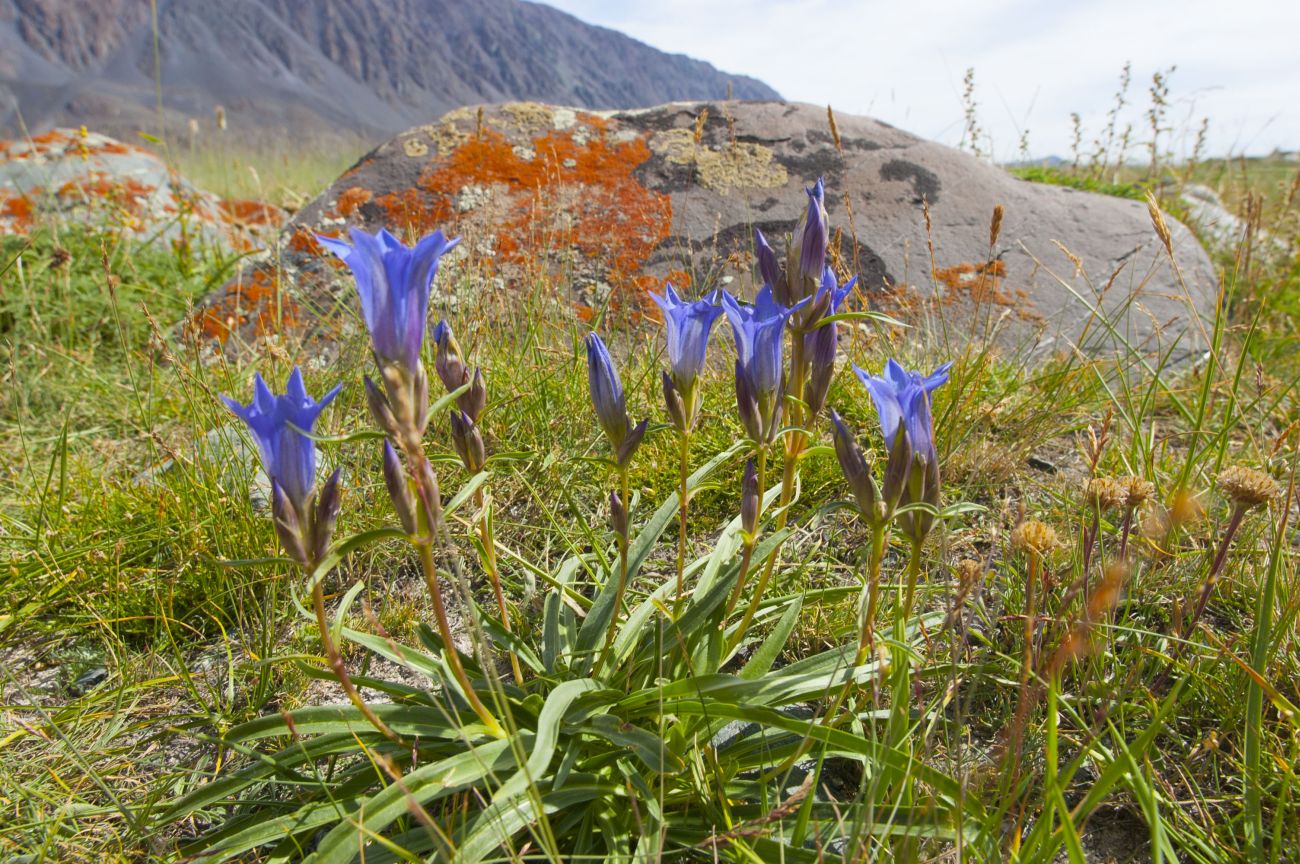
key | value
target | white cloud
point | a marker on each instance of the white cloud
(1035, 61)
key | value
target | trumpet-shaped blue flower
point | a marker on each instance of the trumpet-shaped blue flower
(688, 326)
(288, 456)
(759, 330)
(903, 396)
(393, 282)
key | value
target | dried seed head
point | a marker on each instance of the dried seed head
(59, 257)
(968, 571)
(1034, 536)
(1137, 490)
(995, 226)
(1105, 493)
(1158, 222)
(1247, 486)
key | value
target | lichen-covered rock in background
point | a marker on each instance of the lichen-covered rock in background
(603, 206)
(66, 175)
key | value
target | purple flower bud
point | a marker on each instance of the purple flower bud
(379, 409)
(618, 515)
(749, 499)
(474, 400)
(606, 391)
(288, 526)
(673, 402)
(633, 440)
(327, 514)
(448, 363)
(821, 342)
(853, 464)
(816, 234)
(770, 269)
(468, 442)
(288, 456)
(747, 406)
(398, 489)
(393, 282)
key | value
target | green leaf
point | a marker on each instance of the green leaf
(426, 784)
(647, 747)
(463, 494)
(761, 662)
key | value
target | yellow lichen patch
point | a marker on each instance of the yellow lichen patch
(532, 118)
(415, 148)
(740, 165)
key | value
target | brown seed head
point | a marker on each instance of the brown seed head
(1137, 491)
(968, 571)
(59, 257)
(1247, 486)
(995, 226)
(1105, 493)
(1034, 536)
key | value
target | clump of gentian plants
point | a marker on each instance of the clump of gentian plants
(639, 716)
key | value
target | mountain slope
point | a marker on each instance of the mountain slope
(312, 67)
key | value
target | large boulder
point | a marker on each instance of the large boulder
(606, 205)
(67, 175)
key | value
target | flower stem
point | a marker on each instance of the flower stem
(444, 631)
(340, 668)
(868, 638)
(485, 534)
(624, 487)
(913, 574)
(684, 468)
(422, 473)
(750, 542)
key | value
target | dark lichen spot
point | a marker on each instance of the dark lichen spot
(925, 184)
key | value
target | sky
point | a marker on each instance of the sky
(1236, 63)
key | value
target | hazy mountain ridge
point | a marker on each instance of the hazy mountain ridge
(368, 67)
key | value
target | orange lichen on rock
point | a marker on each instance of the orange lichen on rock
(17, 208)
(984, 283)
(253, 303)
(574, 189)
(352, 198)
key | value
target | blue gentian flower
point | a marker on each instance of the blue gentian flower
(288, 456)
(393, 282)
(607, 398)
(759, 330)
(903, 397)
(688, 326)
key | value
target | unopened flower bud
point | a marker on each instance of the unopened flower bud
(897, 469)
(398, 489)
(674, 404)
(633, 440)
(853, 464)
(327, 514)
(770, 269)
(379, 409)
(749, 499)
(288, 526)
(747, 406)
(473, 401)
(617, 515)
(468, 442)
(447, 361)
